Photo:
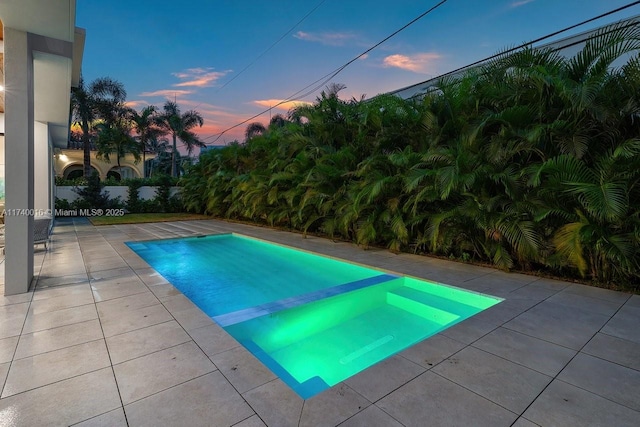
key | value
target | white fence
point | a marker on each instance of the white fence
(145, 192)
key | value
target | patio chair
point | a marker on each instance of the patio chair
(41, 229)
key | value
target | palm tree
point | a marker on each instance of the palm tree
(254, 129)
(114, 137)
(146, 128)
(89, 103)
(159, 147)
(179, 126)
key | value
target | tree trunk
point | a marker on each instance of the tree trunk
(86, 145)
(174, 169)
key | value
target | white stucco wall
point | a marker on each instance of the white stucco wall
(145, 193)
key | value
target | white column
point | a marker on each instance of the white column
(19, 134)
(41, 168)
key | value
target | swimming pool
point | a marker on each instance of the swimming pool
(313, 320)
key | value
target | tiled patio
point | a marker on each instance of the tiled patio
(105, 341)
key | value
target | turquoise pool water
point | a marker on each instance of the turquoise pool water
(314, 321)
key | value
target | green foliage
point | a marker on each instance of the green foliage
(134, 204)
(60, 181)
(530, 162)
(92, 196)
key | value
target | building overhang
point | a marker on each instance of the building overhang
(57, 57)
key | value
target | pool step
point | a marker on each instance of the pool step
(430, 313)
(443, 303)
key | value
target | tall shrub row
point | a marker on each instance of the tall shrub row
(530, 162)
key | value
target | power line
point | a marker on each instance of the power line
(269, 48)
(272, 45)
(530, 43)
(327, 77)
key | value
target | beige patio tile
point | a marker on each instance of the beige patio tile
(145, 319)
(164, 291)
(59, 280)
(7, 348)
(150, 374)
(523, 422)
(566, 326)
(105, 292)
(4, 370)
(130, 320)
(371, 416)
(65, 402)
(470, 330)
(151, 277)
(178, 303)
(536, 354)
(509, 385)
(276, 404)
(242, 369)
(46, 368)
(600, 293)
(129, 302)
(108, 274)
(536, 290)
(432, 351)
(625, 324)
(609, 380)
(332, 406)
(12, 318)
(81, 289)
(443, 403)
(13, 299)
(60, 303)
(144, 341)
(105, 264)
(504, 311)
(252, 421)
(205, 401)
(213, 339)
(384, 377)
(113, 418)
(192, 318)
(563, 404)
(54, 268)
(137, 262)
(54, 319)
(57, 338)
(588, 303)
(614, 349)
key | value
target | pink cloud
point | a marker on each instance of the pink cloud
(418, 63)
(285, 106)
(331, 39)
(515, 4)
(167, 93)
(199, 77)
(136, 103)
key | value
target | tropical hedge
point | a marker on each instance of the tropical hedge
(531, 161)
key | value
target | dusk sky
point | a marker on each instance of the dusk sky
(190, 50)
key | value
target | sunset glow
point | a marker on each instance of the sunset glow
(231, 63)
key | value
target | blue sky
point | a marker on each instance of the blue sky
(188, 50)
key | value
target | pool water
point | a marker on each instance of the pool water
(314, 321)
